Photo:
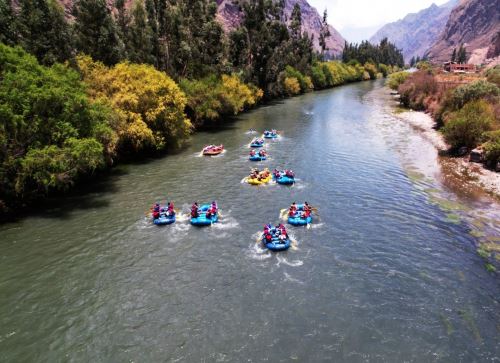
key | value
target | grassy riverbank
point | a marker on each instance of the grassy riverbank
(465, 108)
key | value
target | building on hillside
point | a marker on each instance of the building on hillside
(454, 67)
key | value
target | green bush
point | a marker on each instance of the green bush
(55, 133)
(492, 148)
(212, 97)
(467, 126)
(371, 69)
(493, 75)
(396, 79)
(472, 91)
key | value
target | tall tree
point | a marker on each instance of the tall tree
(44, 31)
(95, 31)
(8, 23)
(462, 54)
(324, 34)
(454, 55)
(139, 41)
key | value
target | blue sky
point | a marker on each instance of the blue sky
(360, 19)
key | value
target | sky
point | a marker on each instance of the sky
(357, 20)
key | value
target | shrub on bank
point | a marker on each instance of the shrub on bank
(493, 75)
(472, 91)
(416, 88)
(396, 79)
(467, 126)
(492, 148)
(212, 97)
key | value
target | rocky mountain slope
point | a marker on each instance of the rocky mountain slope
(230, 16)
(416, 32)
(476, 23)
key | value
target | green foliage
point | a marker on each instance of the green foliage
(212, 98)
(43, 30)
(385, 53)
(492, 148)
(138, 35)
(50, 124)
(467, 126)
(473, 91)
(396, 79)
(8, 23)
(493, 75)
(95, 31)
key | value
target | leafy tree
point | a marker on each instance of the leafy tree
(8, 23)
(95, 31)
(454, 55)
(51, 126)
(462, 54)
(149, 104)
(385, 52)
(324, 33)
(139, 42)
(44, 31)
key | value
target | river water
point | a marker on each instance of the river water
(384, 274)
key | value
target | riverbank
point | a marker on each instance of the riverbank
(101, 115)
(470, 175)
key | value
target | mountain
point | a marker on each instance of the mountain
(230, 15)
(476, 23)
(416, 32)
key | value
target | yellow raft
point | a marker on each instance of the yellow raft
(255, 181)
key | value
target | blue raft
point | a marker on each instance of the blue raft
(298, 220)
(202, 219)
(257, 143)
(276, 244)
(284, 180)
(270, 135)
(257, 157)
(164, 219)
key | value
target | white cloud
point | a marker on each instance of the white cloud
(355, 15)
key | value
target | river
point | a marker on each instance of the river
(384, 274)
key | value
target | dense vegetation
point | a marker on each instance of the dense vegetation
(469, 114)
(137, 78)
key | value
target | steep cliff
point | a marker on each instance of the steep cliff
(475, 23)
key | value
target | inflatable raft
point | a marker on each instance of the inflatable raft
(164, 219)
(276, 243)
(270, 135)
(255, 181)
(213, 150)
(257, 143)
(284, 179)
(297, 220)
(202, 219)
(257, 157)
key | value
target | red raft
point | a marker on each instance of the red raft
(212, 150)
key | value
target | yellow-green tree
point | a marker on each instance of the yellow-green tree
(149, 105)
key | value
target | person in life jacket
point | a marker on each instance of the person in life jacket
(292, 210)
(194, 210)
(282, 230)
(214, 207)
(262, 153)
(252, 152)
(170, 209)
(289, 173)
(156, 211)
